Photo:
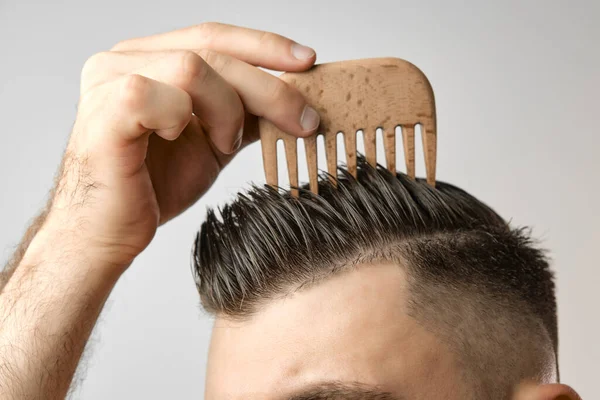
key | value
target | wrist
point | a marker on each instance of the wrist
(66, 249)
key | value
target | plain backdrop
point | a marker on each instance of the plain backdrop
(516, 85)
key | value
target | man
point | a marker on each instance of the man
(158, 118)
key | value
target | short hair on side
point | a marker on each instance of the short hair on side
(470, 273)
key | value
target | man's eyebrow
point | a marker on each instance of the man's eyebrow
(343, 391)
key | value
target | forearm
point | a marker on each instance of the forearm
(17, 256)
(48, 308)
(30, 233)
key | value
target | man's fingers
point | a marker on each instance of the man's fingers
(266, 95)
(255, 47)
(214, 101)
(121, 111)
(262, 94)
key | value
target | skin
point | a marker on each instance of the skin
(158, 119)
(359, 335)
(358, 332)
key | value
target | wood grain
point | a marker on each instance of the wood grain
(360, 95)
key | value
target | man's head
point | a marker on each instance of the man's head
(379, 288)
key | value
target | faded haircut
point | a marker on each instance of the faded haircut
(483, 286)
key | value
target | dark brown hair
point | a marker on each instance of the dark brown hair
(266, 243)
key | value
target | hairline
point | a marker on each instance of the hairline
(365, 259)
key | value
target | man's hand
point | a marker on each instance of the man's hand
(120, 181)
(158, 119)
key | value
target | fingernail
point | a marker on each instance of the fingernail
(238, 142)
(310, 119)
(302, 52)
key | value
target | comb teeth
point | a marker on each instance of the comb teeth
(350, 145)
(291, 154)
(331, 155)
(430, 148)
(408, 138)
(376, 93)
(370, 146)
(389, 144)
(310, 145)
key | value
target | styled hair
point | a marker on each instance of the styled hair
(479, 283)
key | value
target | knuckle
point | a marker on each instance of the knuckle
(207, 55)
(134, 91)
(93, 64)
(218, 62)
(191, 68)
(120, 45)
(96, 61)
(207, 30)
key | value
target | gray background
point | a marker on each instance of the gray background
(516, 86)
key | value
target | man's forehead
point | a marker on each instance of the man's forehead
(349, 328)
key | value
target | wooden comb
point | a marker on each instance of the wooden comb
(358, 95)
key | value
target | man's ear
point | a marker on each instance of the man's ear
(549, 391)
